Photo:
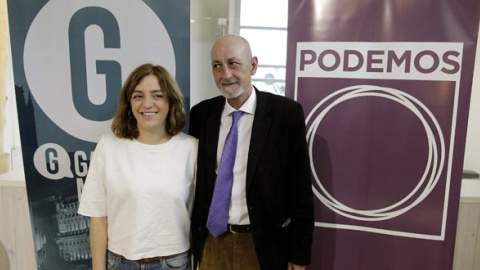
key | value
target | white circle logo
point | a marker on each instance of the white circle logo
(433, 168)
(141, 38)
(52, 161)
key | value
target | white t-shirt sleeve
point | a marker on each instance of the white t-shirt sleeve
(93, 201)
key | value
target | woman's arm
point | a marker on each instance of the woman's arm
(98, 242)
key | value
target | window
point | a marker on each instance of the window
(264, 24)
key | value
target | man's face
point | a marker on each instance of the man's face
(233, 67)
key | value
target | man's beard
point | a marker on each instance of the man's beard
(229, 92)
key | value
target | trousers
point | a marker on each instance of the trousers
(230, 251)
(181, 261)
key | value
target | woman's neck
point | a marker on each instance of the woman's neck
(153, 137)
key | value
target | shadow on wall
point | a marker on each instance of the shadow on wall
(4, 262)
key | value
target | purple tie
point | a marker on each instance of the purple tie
(219, 208)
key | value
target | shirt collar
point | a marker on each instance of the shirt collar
(247, 107)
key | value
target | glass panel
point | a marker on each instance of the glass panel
(270, 46)
(264, 13)
(270, 73)
(274, 88)
(270, 80)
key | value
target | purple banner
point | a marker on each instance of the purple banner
(385, 86)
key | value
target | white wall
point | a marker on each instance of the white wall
(204, 31)
(472, 151)
(11, 135)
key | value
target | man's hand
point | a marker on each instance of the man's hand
(292, 266)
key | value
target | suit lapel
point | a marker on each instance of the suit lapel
(212, 127)
(260, 129)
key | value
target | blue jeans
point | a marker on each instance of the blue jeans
(181, 261)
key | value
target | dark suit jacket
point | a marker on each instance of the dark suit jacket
(278, 186)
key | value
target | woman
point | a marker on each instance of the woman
(140, 185)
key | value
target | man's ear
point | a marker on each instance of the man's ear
(254, 65)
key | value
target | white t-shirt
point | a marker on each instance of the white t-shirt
(145, 191)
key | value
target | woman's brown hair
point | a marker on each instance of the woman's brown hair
(125, 126)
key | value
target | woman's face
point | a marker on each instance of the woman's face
(150, 105)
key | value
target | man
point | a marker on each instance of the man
(270, 203)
